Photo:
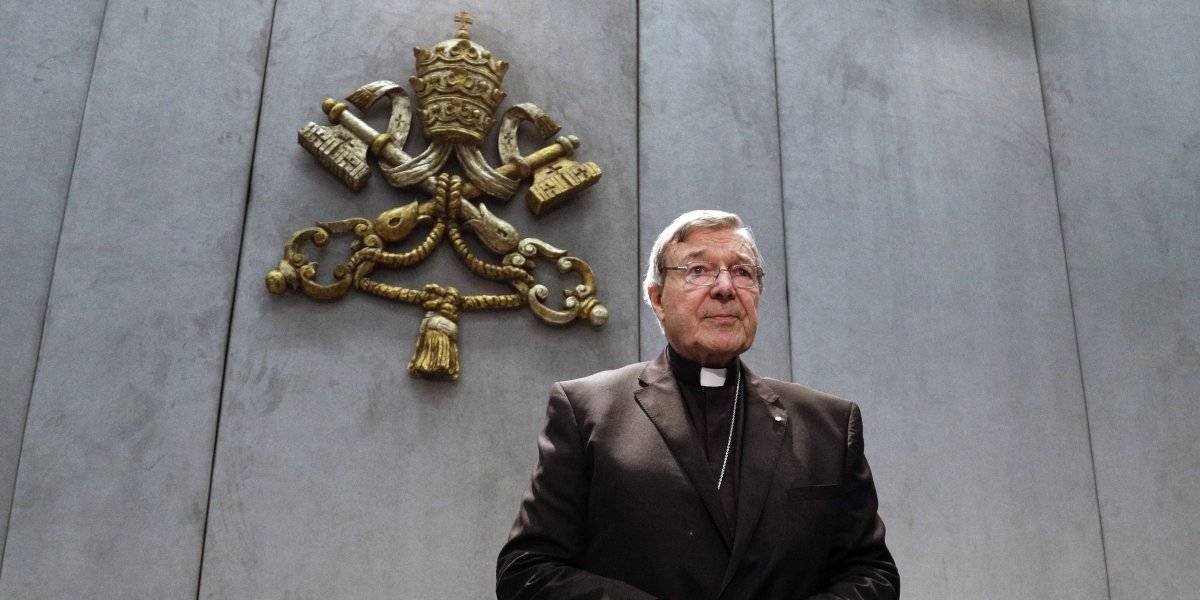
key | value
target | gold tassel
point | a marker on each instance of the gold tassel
(436, 355)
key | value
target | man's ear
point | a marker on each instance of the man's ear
(654, 292)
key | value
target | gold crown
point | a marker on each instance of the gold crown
(458, 87)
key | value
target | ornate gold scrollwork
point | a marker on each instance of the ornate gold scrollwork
(458, 88)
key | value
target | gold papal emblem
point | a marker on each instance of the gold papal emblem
(458, 87)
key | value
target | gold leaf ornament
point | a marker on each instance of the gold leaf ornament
(458, 87)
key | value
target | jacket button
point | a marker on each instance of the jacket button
(778, 418)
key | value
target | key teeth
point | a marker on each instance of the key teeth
(336, 149)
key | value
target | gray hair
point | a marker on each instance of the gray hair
(680, 229)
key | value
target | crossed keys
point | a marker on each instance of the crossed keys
(458, 87)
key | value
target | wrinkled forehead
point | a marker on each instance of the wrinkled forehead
(713, 245)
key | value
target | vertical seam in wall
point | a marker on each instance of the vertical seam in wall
(62, 218)
(787, 300)
(637, 170)
(212, 467)
(1070, 297)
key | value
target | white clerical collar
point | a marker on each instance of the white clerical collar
(712, 377)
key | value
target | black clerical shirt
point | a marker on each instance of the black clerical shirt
(708, 409)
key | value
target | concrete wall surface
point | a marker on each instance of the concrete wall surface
(337, 474)
(53, 65)
(1122, 86)
(980, 221)
(709, 139)
(928, 284)
(114, 468)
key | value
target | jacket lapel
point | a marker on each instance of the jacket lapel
(763, 432)
(660, 399)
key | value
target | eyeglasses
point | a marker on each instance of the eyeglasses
(705, 273)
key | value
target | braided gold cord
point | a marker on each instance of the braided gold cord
(439, 300)
(443, 299)
(419, 253)
(433, 297)
(391, 292)
(486, 269)
(407, 258)
(491, 301)
(475, 264)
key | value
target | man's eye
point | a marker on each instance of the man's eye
(699, 269)
(742, 271)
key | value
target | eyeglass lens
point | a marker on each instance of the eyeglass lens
(706, 273)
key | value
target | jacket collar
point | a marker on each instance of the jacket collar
(660, 399)
(763, 431)
(658, 372)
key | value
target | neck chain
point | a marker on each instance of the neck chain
(737, 391)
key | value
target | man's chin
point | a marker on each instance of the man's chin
(725, 348)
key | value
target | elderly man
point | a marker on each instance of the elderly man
(688, 477)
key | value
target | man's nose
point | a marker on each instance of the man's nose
(723, 288)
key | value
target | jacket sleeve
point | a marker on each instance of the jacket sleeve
(861, 567)
(541, 558)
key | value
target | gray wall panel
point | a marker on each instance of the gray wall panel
(109, 500)
(709, 139)
(923, 272)
(1122, 84)
(927, 283)
(46, 50)
(338, 475)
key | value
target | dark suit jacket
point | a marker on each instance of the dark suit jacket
(623, 505)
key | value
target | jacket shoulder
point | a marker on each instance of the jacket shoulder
(813, 404)
(800, 393)
(598, 395)
(608, 381)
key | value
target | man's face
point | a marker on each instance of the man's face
(707, 324)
